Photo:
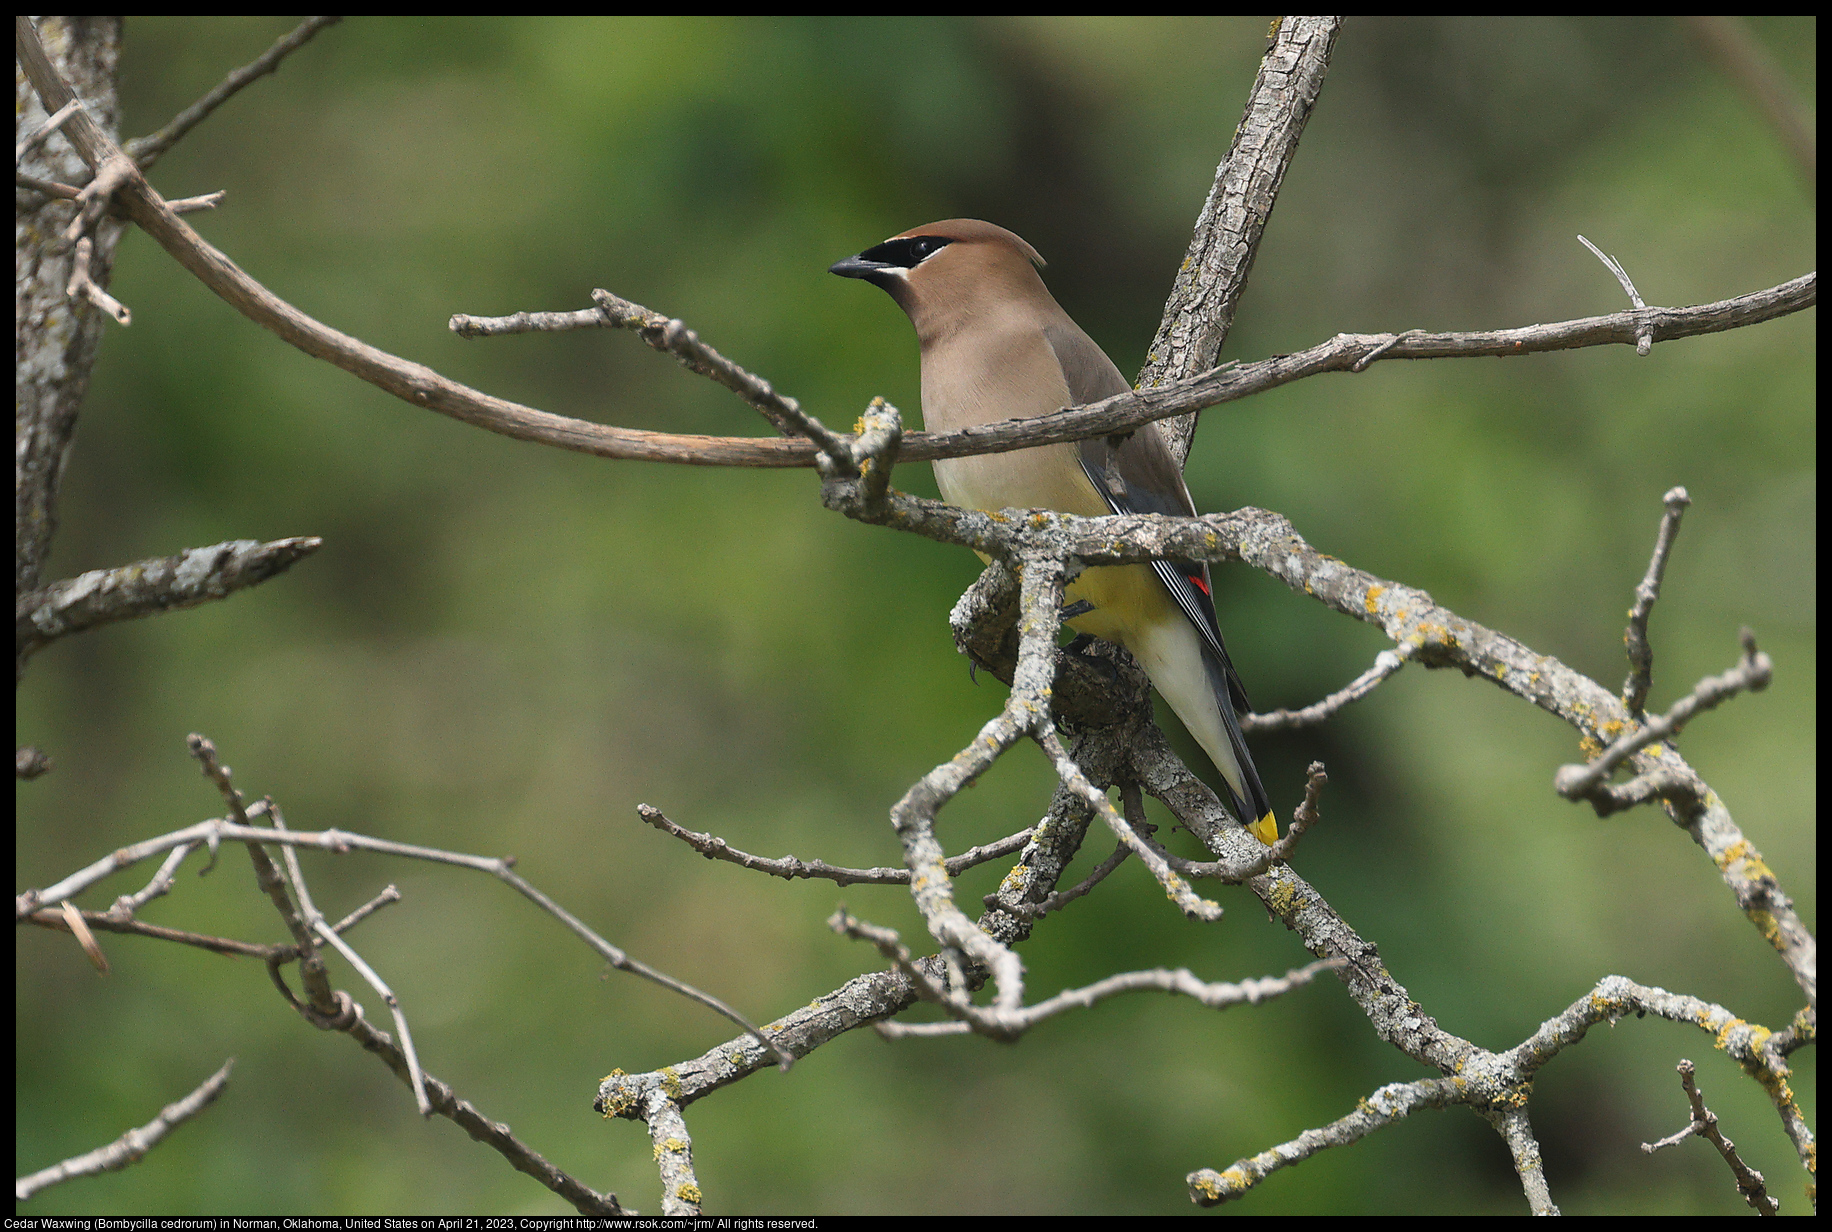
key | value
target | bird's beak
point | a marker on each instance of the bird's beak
(861, 267)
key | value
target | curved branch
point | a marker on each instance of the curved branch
(130, 1148)
(422, 386)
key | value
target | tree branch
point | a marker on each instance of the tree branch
(1200, 309)
(162, 584)
(130, 1148)
(423, 387)
(145, 151)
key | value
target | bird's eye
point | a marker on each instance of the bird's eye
(905, 253)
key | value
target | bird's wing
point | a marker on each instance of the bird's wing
(1138, 475)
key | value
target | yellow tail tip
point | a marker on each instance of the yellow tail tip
(1266, 830)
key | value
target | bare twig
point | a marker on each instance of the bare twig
(162, 584)
(1587, 782)
(1386, 663)
(1150, 855)
(467, 326)
(672, 336)
(1644, 335)
(214, 832)
(53, 122)
(54, 918)
(1180, 982)
(119, 919)
(68, 192)
(1234, 871)
(1496, 1084)
(1062, 898)
(315, 920)
(94, 198)
(131, 1147)
(889, 944)
(493, 1134)
(56, 189)
(1510, 1122)
(1381, 1108)
(1704, 1124)
(204, 750)
(788, 867)
(1804, 1030)
(196, 205)
(145, 151)
(1640, 652)
(389, 895)
(1393, 340)
(82, 286)
(1010, 1022)
(872, 452)
(623, 962)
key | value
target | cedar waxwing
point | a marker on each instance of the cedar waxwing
(996, 345)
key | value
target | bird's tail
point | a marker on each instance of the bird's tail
(1227, 748)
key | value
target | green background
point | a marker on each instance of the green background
(503, 648)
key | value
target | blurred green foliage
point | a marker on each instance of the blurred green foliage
(503, 648)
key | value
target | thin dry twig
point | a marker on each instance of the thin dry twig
(115, 920)
(214, 832)
(147, 150)
(81, 285)
(93, 199)
(1497, 1085)
(69, 192)
(1386, 663)
(131, 1147)
(36, 137)
(493, 1134)
(1704, 1124)
(1378, 1110)
(314, 919)
(789, 867)
(672, 336)
(1011, 1022)
(1640, 651)
(55, 919)
(1644, 336)
(1062, 898)
(1590, 781)
(1233, 871)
